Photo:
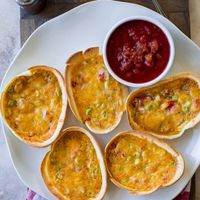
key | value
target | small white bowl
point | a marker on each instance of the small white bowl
(171, 56)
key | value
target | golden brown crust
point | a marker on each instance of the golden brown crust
(134, 125)
(44, 171)
(63, 111)
(73, 62)
(74, 59)
(162, 144)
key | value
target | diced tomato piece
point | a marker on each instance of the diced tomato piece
(153, 46)
(158, 56)
(149, 60)
(125, 57)
(101, 76)
(148, 97)
(143, 39)
(141, 47)
(148, 32)
(141, 99)
(74, 84)
(133, 34)
(170, 104)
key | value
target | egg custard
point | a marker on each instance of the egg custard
(74, 167)
(95, 98)
(140, 163)
(167, 108)
(33, 105)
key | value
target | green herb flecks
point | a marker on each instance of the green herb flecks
(11, 89)
(12, 103)
(88, 111)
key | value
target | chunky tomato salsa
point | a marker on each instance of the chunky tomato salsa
(138, 51)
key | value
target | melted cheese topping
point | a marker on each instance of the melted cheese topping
(165, 110)
(139, 164)
(74, 168)
(99, 98)
(32, 105)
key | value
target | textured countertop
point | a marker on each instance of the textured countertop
(11, 188)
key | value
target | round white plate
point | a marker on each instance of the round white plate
(79, 29)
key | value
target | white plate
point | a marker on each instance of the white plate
(78, 29)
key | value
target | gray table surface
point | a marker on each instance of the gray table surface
(11, 188)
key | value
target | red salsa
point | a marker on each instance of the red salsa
(138, 51)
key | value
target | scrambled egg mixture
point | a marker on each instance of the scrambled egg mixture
(99, 98)
(139, 164)
(165, 109)
(32, 105)
(74, 167)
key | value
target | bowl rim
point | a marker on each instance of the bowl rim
(171, 55)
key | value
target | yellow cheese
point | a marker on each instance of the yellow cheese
(99, 98)
(139, 164)
(166, 109)
(74, 168)
(33, 105)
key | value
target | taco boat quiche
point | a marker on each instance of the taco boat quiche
(33, 105)
(140, 163)
(167, 108)
(95, 98)
(74, 167)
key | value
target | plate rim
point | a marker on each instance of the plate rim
(2, 86)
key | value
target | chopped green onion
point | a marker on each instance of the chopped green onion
(8, 113)
(148, 106)
(105, 114)
(59, 166)
(175, 97)
(168, 97)
(186, 109)
(125, 181)
(96, 171)
(88, 193)
(11, 102)
(58, 92)
(137, 161)
(51, 79)
(59, 175)
(133, 113)
(137, 154)
(130, 158)
(88, 111)
(94, 119)
(38, 102)
(157, 90)
(131, 146)
(148, 93)
(174, 163)
(11, 89)
(157, 97)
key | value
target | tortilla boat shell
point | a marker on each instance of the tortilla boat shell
(192, 123)
(47, 178)
(73, 62)
(160, 143)
(63, 110)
